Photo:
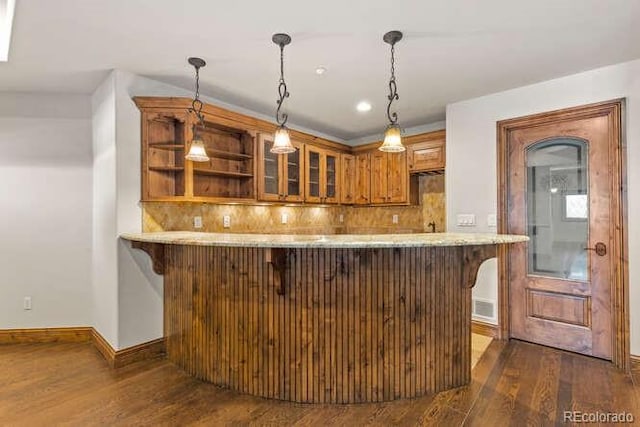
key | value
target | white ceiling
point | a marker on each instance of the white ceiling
(452, 50)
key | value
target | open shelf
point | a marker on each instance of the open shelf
(212, 152)
(168, 147)
(166, 168)
(230, 174)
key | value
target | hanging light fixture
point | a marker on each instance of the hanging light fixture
(197, 152)
(281, 139)
(392, 134)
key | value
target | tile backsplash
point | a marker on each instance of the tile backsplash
(302, 219)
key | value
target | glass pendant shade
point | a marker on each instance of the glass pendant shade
(392, 140)
(282, 142)
(197, 152)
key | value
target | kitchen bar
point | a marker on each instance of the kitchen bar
(321, 319)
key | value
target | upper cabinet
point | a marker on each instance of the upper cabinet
(229, 172)
(167, 176)
(321, 176)
(241, 167)
(397, 178)
(362, 179)
(280, 176)
(389, 178)
(163, 163)
(428, 154)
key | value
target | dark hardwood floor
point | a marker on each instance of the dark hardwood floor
(514, 383)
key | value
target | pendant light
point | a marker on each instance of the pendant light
(392, 134)
(281, 139)
(197, 152)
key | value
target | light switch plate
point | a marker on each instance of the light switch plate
(284, 218)
(466, 220)
(226, 221)
(394, 218)
(197, 222)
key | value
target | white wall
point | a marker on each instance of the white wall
(127, 294)
(140, 299)
(104, 248)
(471, 176)
(45, 210)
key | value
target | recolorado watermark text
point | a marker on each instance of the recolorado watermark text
(598, 417)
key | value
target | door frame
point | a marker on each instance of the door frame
(613, 110)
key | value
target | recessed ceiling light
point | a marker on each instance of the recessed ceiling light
(6, 20)
(320, 71)
(363, 106)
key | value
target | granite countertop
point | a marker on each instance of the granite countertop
(324, 241)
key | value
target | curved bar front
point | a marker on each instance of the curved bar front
(323, 324)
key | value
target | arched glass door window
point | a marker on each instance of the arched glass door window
(558, 208)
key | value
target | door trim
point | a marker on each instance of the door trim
(620, 272)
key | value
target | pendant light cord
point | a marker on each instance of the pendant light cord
(281, 118)
(393, 88)
(196, 104)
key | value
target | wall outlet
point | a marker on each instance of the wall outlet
(226, 221)
(284, 218)
(394, 219)
(26, 304)
(197, 222)
(492, 220)
(466, 220)
(341, 218)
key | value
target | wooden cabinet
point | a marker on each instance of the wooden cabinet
(389, 178)
(280, 176)
(163, 148)
(397, 178)
(347, 179)
(229, 172)
(167, 175)
(378, 177)
(363, 179)
(427, 156)
(321, 175)
(242, 169)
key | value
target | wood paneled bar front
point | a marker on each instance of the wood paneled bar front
(321, 319)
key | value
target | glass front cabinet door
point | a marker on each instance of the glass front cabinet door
(280, 176)
(322, 167)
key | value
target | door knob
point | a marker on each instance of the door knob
(600, 249)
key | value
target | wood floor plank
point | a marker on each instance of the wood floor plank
(513, 383)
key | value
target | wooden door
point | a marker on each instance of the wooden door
(379, 177)
(560, 183)
(313, 186)
(292, 174)
(397, 178)
(363, 179)
(347, 179)
(322, 167)
(330, 175)
(427, 156)
(269, 170)
(280, 176)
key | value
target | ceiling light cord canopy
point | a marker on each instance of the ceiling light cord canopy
(282, 140)
(392, 135)
(197, 152)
